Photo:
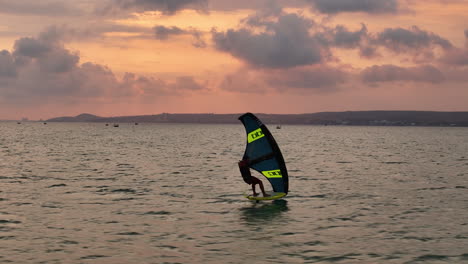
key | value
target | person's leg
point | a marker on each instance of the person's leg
(263, 189)
(253, 189)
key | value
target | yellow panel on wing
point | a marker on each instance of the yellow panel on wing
(272, 174)
(254, 135)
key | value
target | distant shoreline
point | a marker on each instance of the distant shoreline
(355, 118)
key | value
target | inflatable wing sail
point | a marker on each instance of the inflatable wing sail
(264, 154)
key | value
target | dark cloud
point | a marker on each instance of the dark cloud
(92, 30)
(263, 16)
(164, 33)
(52, 38)
(285, 43)
(402, 40)
(368, 51)
(419, 43)
(199, 41)
(272, 38)
(348, 39)
(42, 67)
(60, 60)
(230, 5)
(55, 72)
(42, 8)
(99, 30)
(7, 64)
(392, 73)
(168, 7)
(414, 41)
(341, 37)
(82, 81)
(46, 51)
(31, 47)
(368, 6)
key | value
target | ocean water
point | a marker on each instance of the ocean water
(172, 193)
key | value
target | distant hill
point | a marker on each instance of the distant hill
(372, 118)
(78, 118)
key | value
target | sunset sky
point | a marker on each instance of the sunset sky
(136, 57)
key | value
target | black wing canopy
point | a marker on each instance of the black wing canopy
(264, 154)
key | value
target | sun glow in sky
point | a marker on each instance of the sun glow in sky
(136, 57)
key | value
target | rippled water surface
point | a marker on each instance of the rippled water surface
(87, 193)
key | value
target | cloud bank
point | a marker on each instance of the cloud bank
(404, 40)
(167, 7)
(41, 67)
(39, 8)
(285, 43)
(392, 73)
(368, 6)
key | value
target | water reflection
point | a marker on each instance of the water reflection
(263, 212)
